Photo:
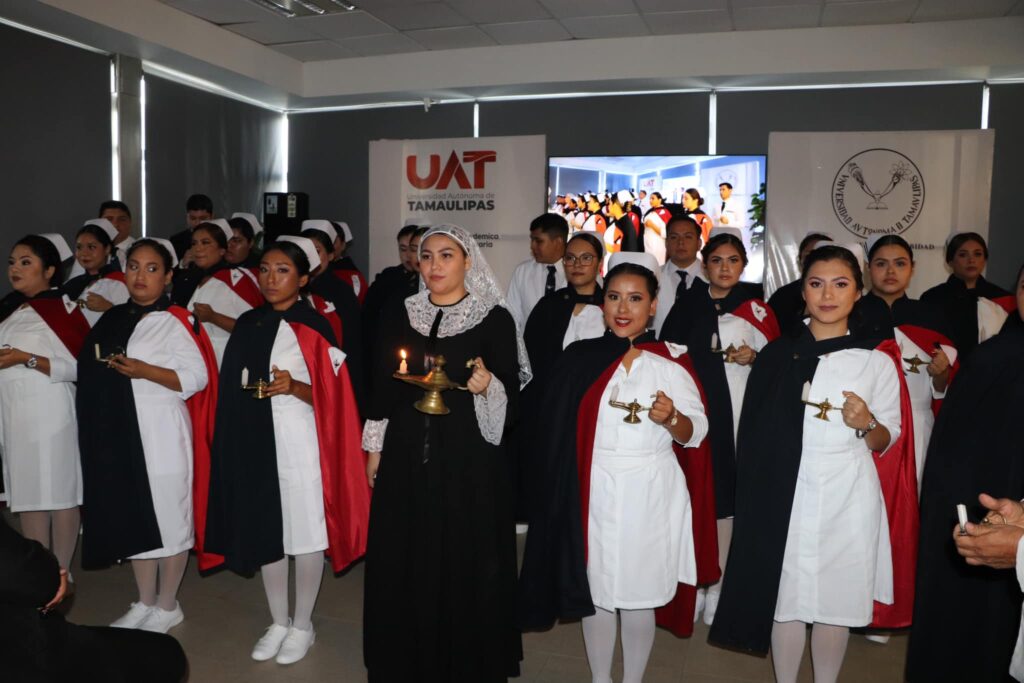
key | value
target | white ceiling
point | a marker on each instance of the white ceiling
(382, 27)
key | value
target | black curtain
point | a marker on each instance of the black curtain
(200, 142)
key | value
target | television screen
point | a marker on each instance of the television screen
(670, 176)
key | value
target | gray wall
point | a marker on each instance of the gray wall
(199, 142)
(329, 157)
(1006, 220)
(55, 160)
(626, 125)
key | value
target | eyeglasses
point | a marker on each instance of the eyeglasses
(582, 259)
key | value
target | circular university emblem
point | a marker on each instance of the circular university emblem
(878, 191)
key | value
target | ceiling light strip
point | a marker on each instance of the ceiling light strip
(52, 36)
(203, 84)
(845, 86)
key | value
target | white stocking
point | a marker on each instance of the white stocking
(309, 570)
(145, 579)
(35, 526)
(275, 583)
(828, 647)
(637, 641)
(724, 541)
(788, 640)
(599, 637)
(172, 569)
(66, 524)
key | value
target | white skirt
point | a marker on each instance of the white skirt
(838, 559)
(640, 530)
(166, 430)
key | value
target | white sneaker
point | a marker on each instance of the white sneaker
(135, 615)
(161, 620)
(296, 645)
(268, 646)
(699, 607)
(711, 606)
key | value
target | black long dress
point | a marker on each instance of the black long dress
(441, 554)
(961, 307)
(966, 618)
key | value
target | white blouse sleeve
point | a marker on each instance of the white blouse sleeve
(885, 395)
(686, 398)
(63, 370)
(490, 411)
(188, 361)
(373, 435)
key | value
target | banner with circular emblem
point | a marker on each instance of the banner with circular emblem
(921, 185)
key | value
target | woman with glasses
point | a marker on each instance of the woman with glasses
(571, 313)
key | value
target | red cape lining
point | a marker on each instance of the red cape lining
(70, 326)
(247, 287)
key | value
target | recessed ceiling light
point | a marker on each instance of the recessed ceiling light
(348, 6)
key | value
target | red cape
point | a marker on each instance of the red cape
(355, 280)
(1008, 303)
(760, 315)
(897, 474)
(327, 310)
(243, 283)
(63, 316)
(927, 339)
(202, 407)
(677, 615)
(342, 462)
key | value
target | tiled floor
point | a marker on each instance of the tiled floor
(226, 613)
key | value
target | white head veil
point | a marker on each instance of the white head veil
(485, 292)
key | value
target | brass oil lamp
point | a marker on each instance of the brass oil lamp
(432, 383)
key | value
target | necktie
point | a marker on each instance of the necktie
(549, 286)
(681, 287)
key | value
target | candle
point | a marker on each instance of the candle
(97, 352)
(403, 367)
(806, 394)
(245, 377)
(714, 341)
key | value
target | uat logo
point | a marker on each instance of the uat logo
(439, 179)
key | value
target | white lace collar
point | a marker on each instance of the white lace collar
(456, 318)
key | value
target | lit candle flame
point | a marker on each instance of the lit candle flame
(401, 353)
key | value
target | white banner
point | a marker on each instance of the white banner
(490, 186)
(921, 185)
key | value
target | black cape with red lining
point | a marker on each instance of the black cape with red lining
(966, 618)
(924, 324)
(119, 517)
(240, 280)
(346, 270)
(244, 524)
(553, 583)
(692, 321)
(961, 308)
(58, 311)
(346, 305)
(768, 455)
(76, 285)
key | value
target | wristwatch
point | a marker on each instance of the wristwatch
(32, 362)
(675, 418)
(861, 433)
